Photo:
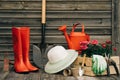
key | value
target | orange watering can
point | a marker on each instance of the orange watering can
(74, 38)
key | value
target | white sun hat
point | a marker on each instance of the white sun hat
(59, 58)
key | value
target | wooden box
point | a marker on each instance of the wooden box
(88, 65)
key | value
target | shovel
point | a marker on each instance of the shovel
(38, 52)
(81, 70)
(39, 59)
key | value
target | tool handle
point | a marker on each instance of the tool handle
(43, 11)
(43, 23)
(83, 62)
(115, 66)
(108, 70)
(43, 35)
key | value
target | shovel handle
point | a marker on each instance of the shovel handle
(43, 24)
(43, 11)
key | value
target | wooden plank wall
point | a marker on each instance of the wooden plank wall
(96, 15)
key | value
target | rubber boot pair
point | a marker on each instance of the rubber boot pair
(21, 47)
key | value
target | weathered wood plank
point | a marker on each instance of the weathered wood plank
(54, 31)
(59, 6)
(8, 48)
(61, 21)
(55, 14)
(69, 27)
(38, 11)
(11, 57)
(33, 76)
(58, 0)
(6, 45)
(80, 6)
(41, 75)
(54, 39)
(118, 24)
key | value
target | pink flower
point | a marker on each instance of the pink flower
(103, 45)
(115, 49)
(108, 42)
(95, 42)
(83, 45)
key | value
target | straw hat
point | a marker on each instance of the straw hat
(59, 58)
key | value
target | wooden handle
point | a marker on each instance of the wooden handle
(43, 11)
(84, 57)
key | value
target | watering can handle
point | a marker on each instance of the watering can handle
(74, 26)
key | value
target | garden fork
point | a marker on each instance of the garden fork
(111, 62)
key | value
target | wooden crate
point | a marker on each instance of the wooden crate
(89, 72)
(88, 65)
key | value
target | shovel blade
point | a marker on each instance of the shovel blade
(37, 56)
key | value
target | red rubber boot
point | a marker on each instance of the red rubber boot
(19, 65)
(25, 33)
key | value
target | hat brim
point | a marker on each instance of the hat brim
(62, 64)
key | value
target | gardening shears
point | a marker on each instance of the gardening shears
(111, 62)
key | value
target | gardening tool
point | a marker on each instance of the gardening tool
(111, 62)
(43, 45)
(37, 56)
(37, 52)
(81, 70)
(74, 38)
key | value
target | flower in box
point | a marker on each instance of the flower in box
(93, 47)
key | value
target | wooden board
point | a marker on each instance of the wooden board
(88, 61)
(41, 75)
(89, 72)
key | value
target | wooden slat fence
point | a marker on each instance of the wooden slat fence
(96, 15)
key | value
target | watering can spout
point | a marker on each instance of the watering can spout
(63, 29)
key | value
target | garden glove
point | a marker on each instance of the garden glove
(99, 64)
